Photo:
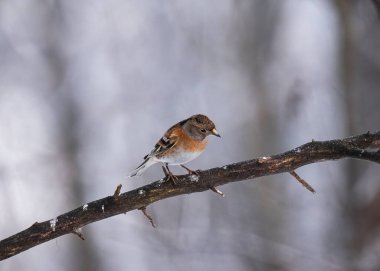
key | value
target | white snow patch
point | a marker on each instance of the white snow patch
(85, 207)
(78, 230)
(194, 178)
(141, 192)
(161, 180)
(53, 223)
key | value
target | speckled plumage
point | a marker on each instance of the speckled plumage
(182, 143)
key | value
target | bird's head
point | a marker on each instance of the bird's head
(200, 126)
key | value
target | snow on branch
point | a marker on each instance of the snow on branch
(364, 147)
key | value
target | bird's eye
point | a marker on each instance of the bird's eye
(203, 130)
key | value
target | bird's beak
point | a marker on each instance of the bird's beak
(215, 132)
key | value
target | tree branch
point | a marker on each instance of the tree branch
(359, 147)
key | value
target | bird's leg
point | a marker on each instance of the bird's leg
(169, 175)
(190, 171)
(165, 171)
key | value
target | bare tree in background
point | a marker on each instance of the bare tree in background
(257, 22)
(69, 138)
(359, 66)
(92, 86)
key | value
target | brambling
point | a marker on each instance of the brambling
(182, 143)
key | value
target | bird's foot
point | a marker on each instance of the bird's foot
(191, 172)
(169, 175)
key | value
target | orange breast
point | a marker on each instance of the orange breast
(187, 143)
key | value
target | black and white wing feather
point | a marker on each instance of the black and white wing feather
(166, 142)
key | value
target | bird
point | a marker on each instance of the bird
(181, 143)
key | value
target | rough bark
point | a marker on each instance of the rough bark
(364, 147)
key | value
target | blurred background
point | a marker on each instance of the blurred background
(88, 87)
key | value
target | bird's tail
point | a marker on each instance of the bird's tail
(141, 168)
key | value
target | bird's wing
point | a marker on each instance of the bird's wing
(168, 141)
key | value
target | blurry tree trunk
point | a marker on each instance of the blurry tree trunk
(350, 205)
(360, 83)
(83, 255)
(258, 28)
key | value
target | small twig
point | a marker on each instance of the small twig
(78, 233)
(217, 191)
(117, 191)
(302, 181)
(143, 209)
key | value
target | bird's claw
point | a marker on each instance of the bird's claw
(170, 176)
(191, 172)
